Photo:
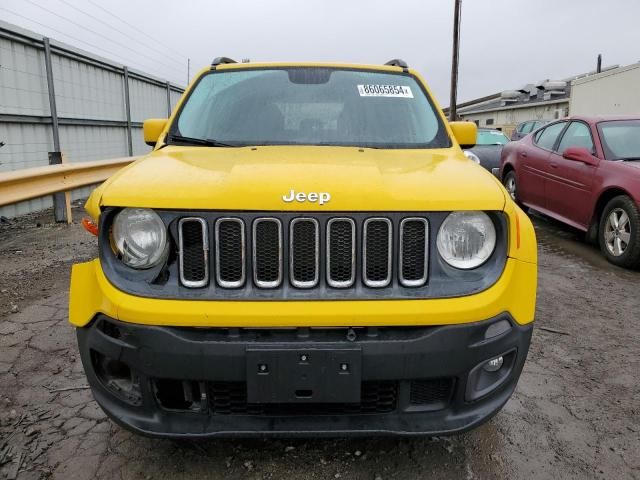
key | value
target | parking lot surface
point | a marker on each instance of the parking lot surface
(575, 413)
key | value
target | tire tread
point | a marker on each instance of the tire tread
(631, 257)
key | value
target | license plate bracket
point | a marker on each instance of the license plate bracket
(303, 375)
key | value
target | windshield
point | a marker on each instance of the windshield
(491, 137)
(311, 106)
(620, 139)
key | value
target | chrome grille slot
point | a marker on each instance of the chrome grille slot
(304, 252)
(267, 252)
(193, 252)
(414, 251)
(230, 252)
(341, 252)
(376, 252)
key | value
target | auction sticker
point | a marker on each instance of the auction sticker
(385, 91)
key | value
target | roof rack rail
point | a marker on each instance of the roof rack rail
(221, 61)
(398, 62)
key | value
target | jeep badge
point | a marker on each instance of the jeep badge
(320, 197)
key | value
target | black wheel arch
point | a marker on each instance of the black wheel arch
(507, 168)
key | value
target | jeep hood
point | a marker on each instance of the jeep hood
(256, 178)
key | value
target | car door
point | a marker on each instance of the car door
(533, 158)
(569, 182)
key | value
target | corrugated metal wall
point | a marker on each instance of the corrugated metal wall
(90, 100)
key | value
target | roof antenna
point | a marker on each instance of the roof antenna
(599, 64)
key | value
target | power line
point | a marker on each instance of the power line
(163, 53)
(75, 39)
(137, 29)
(59, 32)
(100, 35)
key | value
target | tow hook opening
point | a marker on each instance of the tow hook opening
(184, 395)
(117, 377)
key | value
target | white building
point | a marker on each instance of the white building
(616, 90)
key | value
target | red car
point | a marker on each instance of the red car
(585, 172)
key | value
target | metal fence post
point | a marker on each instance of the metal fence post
(168, 99)
(55, 157)
(127, 105)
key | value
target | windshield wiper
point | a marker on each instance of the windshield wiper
(205, 142)
(626, 159)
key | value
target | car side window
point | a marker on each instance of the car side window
(546, 138)
(577, 134)
(526, 127)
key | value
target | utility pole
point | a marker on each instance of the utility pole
(454, 62)
(55, 157)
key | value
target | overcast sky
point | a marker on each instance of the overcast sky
(504, 43)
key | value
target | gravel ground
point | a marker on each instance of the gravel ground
(575, 413)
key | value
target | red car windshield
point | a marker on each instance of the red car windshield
(620, 139)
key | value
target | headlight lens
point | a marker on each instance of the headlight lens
(140, 237)
(466, 239)
(471, 156)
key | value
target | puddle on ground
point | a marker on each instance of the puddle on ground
(555, 237)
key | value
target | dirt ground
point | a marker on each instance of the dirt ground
(575, 413)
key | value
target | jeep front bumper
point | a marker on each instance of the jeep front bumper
(92, 293)
(188, 382)
(190, 367)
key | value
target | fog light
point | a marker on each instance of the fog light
(494, 364)
(489, 375)
(117, 377)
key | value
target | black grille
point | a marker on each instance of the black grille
(434, 393)
(341, 252)
(230, 252)
(193, 252)
(304, 252)
(230, 398)
(347, 252)
(267, 244)
(413, 234)
(377, 252)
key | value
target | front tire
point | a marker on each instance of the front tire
(619, 232)
(511, 185)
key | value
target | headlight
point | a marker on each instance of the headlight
(466, 239)
(140, 237)
(471, 156)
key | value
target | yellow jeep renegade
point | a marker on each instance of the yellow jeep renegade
(306, 251)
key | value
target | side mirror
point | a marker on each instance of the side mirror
(465, 133)
(580, 154)
(152, 129)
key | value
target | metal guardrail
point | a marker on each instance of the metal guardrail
(140, 92)
(41, 181)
